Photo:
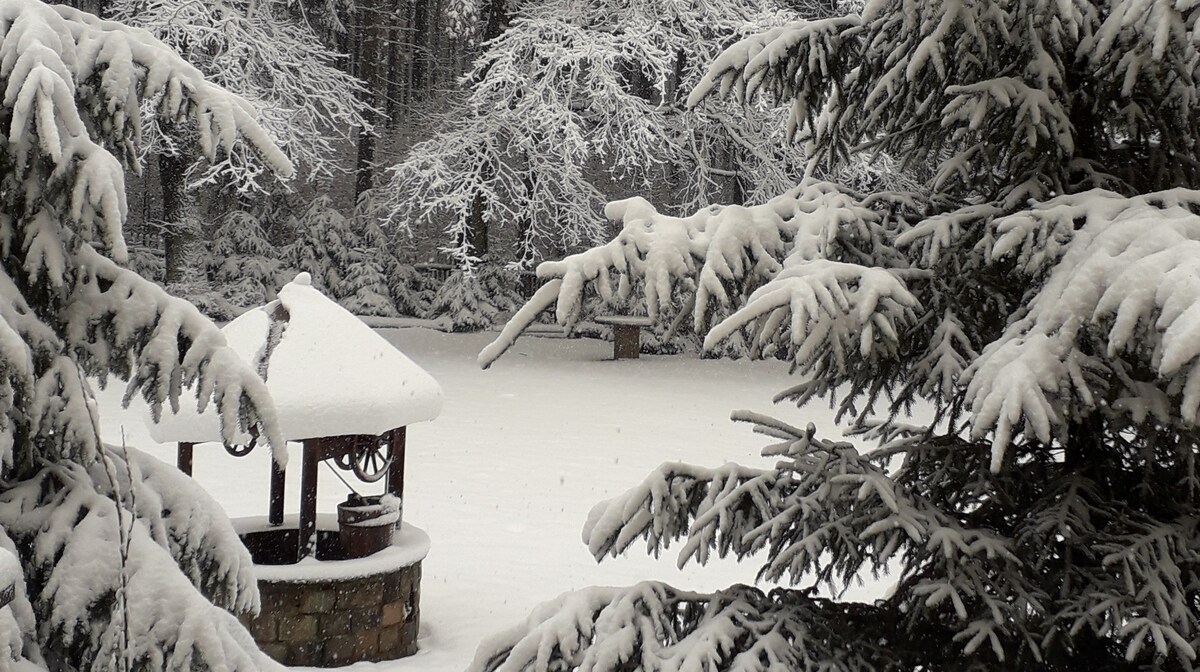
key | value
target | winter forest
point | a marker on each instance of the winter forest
(600, 335)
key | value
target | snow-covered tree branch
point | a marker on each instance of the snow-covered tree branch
(1037, 293)
(273, 58)
(1112, 323)
(741, 265)
(99, 586)
(185, 573)
(1000, 86)
(655, 626)
(574, 99)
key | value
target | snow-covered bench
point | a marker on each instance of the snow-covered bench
(627, 342)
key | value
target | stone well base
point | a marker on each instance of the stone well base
(334, 613)
(334, 623)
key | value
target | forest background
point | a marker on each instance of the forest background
(445, 147)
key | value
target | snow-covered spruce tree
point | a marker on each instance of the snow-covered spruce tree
(242, 264)
(125, 563)
(577, 101)
(322, 244)
(409, 290)
(412, 291)
(365, 289)
(474, 299)
(1046, 517)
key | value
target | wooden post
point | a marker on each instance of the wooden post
(626, 341)
(395, 478)
(183, 457)
(308, 497)
(627, 333)
(275, 513)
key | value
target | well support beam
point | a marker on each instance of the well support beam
(395, 477)
(275, 512)
(308, 497)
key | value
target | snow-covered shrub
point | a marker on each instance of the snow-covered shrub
(147, 262)
(475, 300)
(412, 291)
(242, 264)
(365, 289)
(211, 300)
(121, 567)
(321, 246)
(1045, 518)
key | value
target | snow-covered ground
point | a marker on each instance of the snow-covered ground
(503, 480)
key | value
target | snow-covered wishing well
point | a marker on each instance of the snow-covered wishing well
(334, 590)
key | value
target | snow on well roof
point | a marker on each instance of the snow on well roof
(328, 372)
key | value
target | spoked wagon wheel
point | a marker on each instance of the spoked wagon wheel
(239, 450)
(367, 457)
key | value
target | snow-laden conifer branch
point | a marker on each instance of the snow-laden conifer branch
(654, 626)
(17, 622)
(46, 54)
(981, 582)
(161, 345)
(796, 62)
(721, 253)
(1131, 576)
(66, 523)
(543, 299)
(824, 513)
(1119, 295)
(825, 310)
(949, 354)
(988, 94)
(182, 517)
(133, 66)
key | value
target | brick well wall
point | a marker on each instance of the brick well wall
(337, 622)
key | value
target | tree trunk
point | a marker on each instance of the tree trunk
(370, 17)
(477, 227)
(396, 84)
(526, 250)
(178, 235)
(497, 20)
(734, 190)
(676, 79)
(364, 165)
(420, 56)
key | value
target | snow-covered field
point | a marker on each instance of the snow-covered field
(504, 479)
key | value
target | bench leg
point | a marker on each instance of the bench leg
(626, 341)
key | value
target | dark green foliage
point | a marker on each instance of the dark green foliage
(1046, 516)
